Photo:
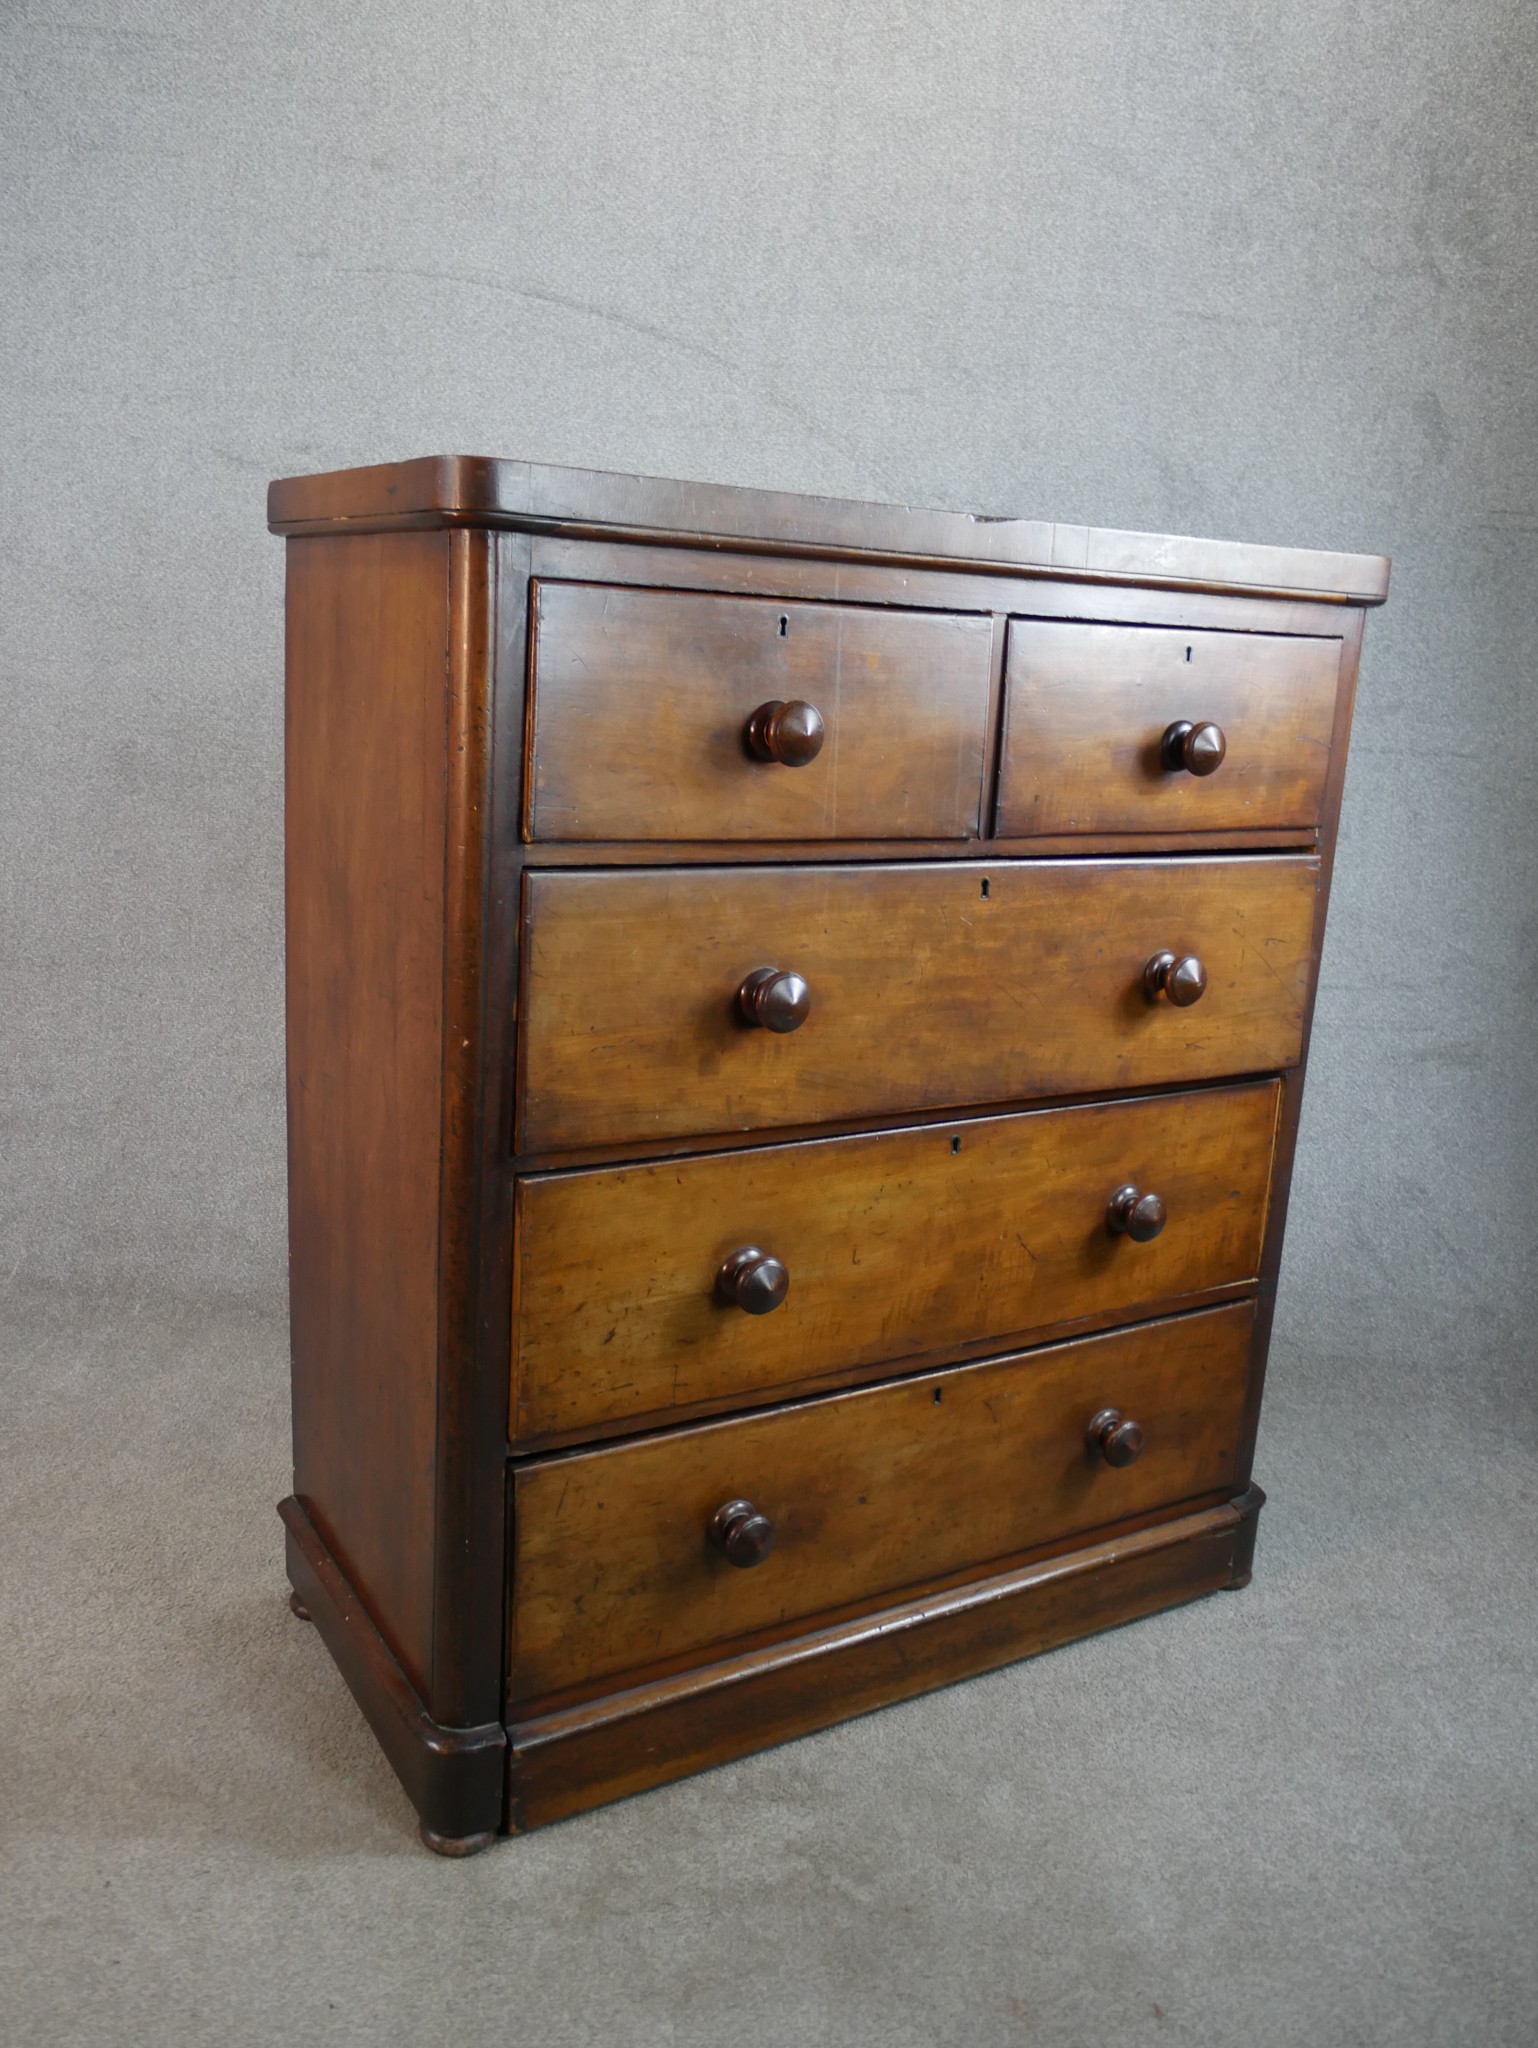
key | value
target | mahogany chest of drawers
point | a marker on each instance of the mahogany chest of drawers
(796, 1015)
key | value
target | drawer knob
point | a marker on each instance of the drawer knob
(1117, 1438)
(1180, 976)
(787, 731)
(742, 1532)
(775, 999)
(1132, 1213)
(1198, 749)
(753, 1280)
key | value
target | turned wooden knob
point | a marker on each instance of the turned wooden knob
(789, 732)
(1131, 1213)
(1198, 749)
(777, 1000)
(1115, 1436)
(1180, 976)
(742, 1532)
(753, 1280)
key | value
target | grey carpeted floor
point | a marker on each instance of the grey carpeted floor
(1303, 1814)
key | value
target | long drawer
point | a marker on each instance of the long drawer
(921, 986)
(643, 702)
(642, 1289)
(864, 1494)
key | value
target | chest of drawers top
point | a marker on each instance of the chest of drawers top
(544, 498)
(796, 1019)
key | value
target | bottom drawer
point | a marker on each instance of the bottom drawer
(866, 1493)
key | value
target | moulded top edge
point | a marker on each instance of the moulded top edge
(476, 490)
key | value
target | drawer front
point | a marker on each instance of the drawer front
(895, 1245)
(868, 1493)
(642, 700)
(934, 985)
(1087, 708)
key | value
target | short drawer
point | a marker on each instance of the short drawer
(643, 699)
(635, 1294)
(866, 1494)
(1110, 729)
(927, 986)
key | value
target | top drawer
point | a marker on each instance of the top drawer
(1089, 707)
(642, 700)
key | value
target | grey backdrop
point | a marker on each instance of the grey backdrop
(1211, 266)
(1266, 273)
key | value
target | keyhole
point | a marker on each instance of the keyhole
(955, 1144)
(985, 888)
(1188, 651)
(785, 628)
(939, 1396)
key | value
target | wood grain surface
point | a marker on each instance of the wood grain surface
(931, 986)
(482, 490)
(642, 698)
(749, 1283)
(897, 1246)
(1085, 708)
(366, 799)
(868, 1492)
(572, 1757)
(955, 588)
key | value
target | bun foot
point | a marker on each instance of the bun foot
(1249, 1506)
(454, 1845)
(298, 1607)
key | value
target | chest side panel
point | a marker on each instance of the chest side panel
(367, 709)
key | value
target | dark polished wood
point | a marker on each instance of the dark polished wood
(569, 1758)
(791, 733)
(1180, 979)
(478, 490)
(469, 1486)
(752, 1280)
(741, 1532)
(1043, 961)
(1132, 1213)
(868, 1491)
(1198, 749)
(778, 1000)
(1093, 712)
(900, 1247)
(856, 580)
(637, 853)
(1117, 1438)
(387, 787)
(453, 1776)
(366, 779)
(668, 715)
(556, 1184)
